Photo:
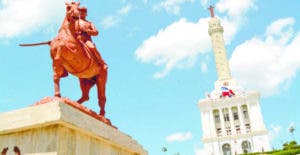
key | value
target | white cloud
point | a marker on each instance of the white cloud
(171, 6)
(203, 67)
(274, 132)
(268, 63)
(110, 21)
(235, 15)
(276, 27)
(179, 137)
(282, 28)
(175, 46)
(25, 16)
(235, 8)
(125, 10)
(113, 20)
(179, 44)
(204, 3)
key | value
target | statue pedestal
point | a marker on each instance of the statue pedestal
(56, 128)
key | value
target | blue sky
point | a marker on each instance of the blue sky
(161, 63)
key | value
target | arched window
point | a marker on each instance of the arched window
(226, 149)
(246, 146)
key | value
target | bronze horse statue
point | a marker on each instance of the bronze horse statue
(69, 55)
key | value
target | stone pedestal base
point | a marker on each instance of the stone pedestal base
(56, 128)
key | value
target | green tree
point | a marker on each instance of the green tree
(292, 143)
(289, 145)
(164, 149)
(291, 130)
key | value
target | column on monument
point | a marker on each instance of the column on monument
(233, 132)
(262, 124)
(223, 129)
(258, 117)
(254, 120)
(212, 123)
(241, 119)
(205, 123)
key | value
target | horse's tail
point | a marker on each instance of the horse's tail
(36, 44)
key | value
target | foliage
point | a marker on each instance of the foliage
(290, 145)
(287, 152)
(164, 149)
(291, 129)
(289, 148)
(277, 152)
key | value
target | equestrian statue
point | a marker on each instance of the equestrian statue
(73, 51)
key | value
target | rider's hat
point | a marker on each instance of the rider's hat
(83, 9)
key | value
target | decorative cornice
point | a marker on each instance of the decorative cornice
(250, 97)
(214, 30)
(241, 136)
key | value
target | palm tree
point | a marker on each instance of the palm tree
(164, 149)
(291, 130)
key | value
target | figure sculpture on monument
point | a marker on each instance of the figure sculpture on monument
(84, 30)
(16, 151)
(73, 51)
(4, 151)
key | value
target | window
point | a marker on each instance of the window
(228, 131)
(219, 132)
(246, 146)
(235, 116)
(248, 128)
(245, 112)
(238, 129)
(226, 117)
(217, 118)
(226, 149)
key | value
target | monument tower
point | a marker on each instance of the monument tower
(231, 117)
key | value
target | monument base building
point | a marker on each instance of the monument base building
(56, 128)
(233, 125)
(231, 117)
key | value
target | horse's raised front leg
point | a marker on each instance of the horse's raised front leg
(101, 84)
(85, 86)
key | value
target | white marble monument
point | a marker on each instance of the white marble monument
(231, 117)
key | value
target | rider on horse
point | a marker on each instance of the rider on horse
(73, 51)
(84, 30)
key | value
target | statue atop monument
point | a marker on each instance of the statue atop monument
(211, 10)
(84, 30)
(73, 51)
